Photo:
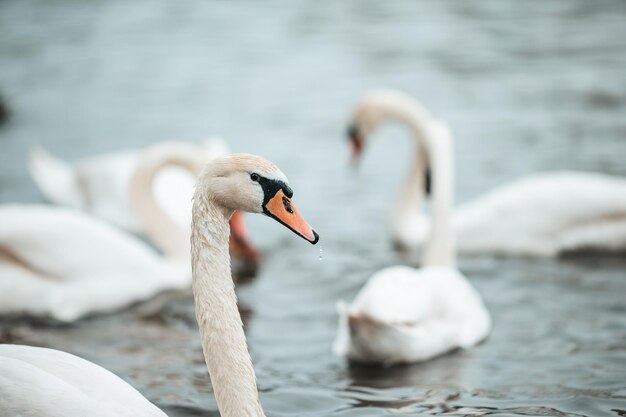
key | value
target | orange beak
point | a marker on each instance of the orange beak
(281, 208)
(240, 245)
(356, 148)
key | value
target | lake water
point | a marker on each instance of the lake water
(526, 87)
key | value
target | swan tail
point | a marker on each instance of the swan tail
(55, 178)
(369, 340)
(342, 341)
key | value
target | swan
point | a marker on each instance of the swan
(405, 315)
(541, 215)
(137, 191)
(64, 264)
(40, 382)
(100, 185)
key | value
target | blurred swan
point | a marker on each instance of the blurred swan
(407, 315)
(100, 185)
(40, 382)
(146, 191)
(64, 264)
(541, 215)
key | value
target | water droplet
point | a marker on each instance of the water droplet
(321, 253)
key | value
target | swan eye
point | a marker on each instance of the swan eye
(255, 177)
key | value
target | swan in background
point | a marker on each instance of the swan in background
(146, 191)
(40, 382)
(541, 215)
(100, 185)
(405, 315)
(61, 263)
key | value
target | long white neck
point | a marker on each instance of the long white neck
(159, 226)
(221, 330)
(440, 248)
(434, 151)
(407, 215)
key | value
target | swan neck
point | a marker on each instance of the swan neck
(221, 329)
(434, 151)
(159, 226)
(408, 209)
(440, 246)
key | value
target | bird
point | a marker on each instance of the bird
(42, 382)
(545, 214)
(63, 264)
(100, 185)
(406, 315)
(144, 191)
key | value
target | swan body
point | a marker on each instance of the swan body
(541, 215)
(407, 315)
(61, 263)
(38, 382)
(100, 185)
(545, 215)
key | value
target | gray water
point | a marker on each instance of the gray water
(526, 87)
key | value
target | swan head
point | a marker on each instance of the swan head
(372, 109)
(251, 183)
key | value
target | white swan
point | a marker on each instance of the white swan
(542, 215)
(64, 264)
(100, 185)
(40, 382)
(147, 191)
(407, 315)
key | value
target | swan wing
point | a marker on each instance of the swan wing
(105, 181)
(55, 178)
(544, 214)
(407, 315)
(38, 382)
(62, 263)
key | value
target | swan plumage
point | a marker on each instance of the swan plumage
(545, 214)
(101, 185)
(60, 384)
(404, 314)
(64, 264)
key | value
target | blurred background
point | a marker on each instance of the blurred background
(525, 86)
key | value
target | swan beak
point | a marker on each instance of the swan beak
(281, 208)
(240, 245)
(356, 146)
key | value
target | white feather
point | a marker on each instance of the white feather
(64, 264)
(408, 315)
(40, 382)
(101, 185)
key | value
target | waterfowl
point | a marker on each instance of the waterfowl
(543, 215)
(405, 315)
(42, 382)
(144, 191)
(64, 264)
(100, 185)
